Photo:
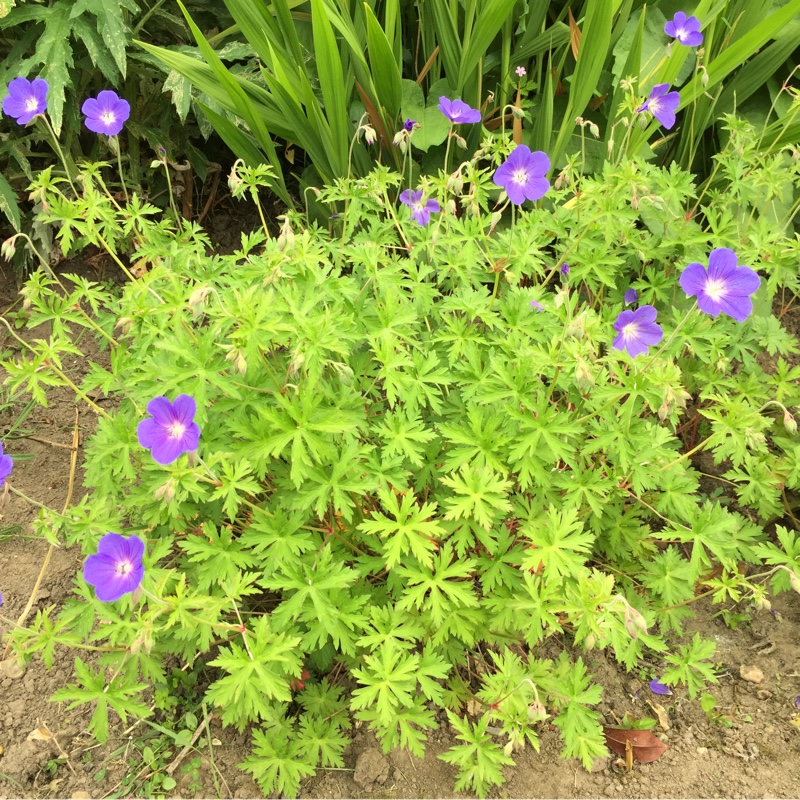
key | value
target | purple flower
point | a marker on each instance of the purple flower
(685, 29)
(637, 330)
(658, 688)
(410, 124)
(522, 175)
(6, 465)
(631, 296)
(797, 701)
(420, 212)
(116, 568)
(536, 306)
(25, 99)
(662, 104)
(172, 430)
(458, 111)
(565, 269)
(106, 113)
(725, 288)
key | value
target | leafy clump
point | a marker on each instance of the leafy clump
(421, 457)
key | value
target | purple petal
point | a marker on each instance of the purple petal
(659, 688)
(797, 701)
(102, 570)
(631, 296)
(536, 188)
(185, 408)
(721, 263)
(693, 279)
(150, 433)
(736, 306)
(167, 450)
(432, 205)
(6, 467)
(692, 39)
(539, 163)
(659, 90)
(536, 306)
(625, 318)
(645, 314)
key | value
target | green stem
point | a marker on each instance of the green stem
(121, 173)
(59, 151)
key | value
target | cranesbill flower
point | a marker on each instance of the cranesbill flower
(458, 111)
(659, 688)
(725, 288)
(631, 296)
(522, 175)
(172, 429)
(637, 331)
(420, 211)
(521, 72)
(685, 29)
(536, 306)
(116, 568)
(565, 269)
(662, 104)
(25, 99)
(106, 113)
(410, 124)
(6, 465)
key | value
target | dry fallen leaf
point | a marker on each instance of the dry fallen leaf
(40, 735)
(661, 713)
(642, 746)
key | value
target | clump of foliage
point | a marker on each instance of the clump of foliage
(428, 441)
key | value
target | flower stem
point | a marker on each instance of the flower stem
(60, 152)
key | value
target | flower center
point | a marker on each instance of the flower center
(520, 176)
(418, 207)
(630, 330)
(716, 290)
(31, 104)
(655, 105)
(176, 430)
(124, 568)
(108, 117)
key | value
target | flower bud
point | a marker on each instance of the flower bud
(790, 423)
(166, 492)
(196, 301)
(8, 248)
(536, 712)
(761, 602)
(124, 323)
(234, 181)
(589, 642)
(235, 355)
(594, 130)
(455, 183)
(286, 236)
(583, 376)
(517, 112)
(794, 580)
(370, 137)
(634, 622)
(495, 218)
(461, 142)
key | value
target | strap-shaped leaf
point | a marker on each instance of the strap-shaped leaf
(480, 36)
(385, 70)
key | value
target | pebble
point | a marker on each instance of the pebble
(750, 673)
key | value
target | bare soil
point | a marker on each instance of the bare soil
(753, 751)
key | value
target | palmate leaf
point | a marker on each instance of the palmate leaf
(247, 691)
(279, 762)
(413, 530)
(480, 494)
(480, 761)
(219, 556)
(559, 544)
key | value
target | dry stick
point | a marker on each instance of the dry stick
(195, 736)
(73, 462)
(47, 441)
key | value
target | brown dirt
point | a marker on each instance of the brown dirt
(754, 752)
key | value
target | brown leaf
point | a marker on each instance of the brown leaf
(644, 746)
(574, 35)
(40, 735)
(661, 713)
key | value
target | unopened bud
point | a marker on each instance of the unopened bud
(790, 423)
(234, 181)
(124, 323)
(496, 217)
(370, 137)
(634, 621)
(235, 355)
(286, 236)
(589, 642)
(517, 112)
(794, 580)
(196, 301)
(8, 248)
(761, 602)
(399, 137)
(461, 142)
(536, 712)
(583, 376)
(594, 130)
(455, 183)
(704, 78)
(166, 492)
(450, 207)
(611, 147)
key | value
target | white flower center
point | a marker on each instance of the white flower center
(655, 105)
(520, 176)
(31, 104)
(418, 207)
(108, 117)
(716, 289)
(630, 330)
(176, 430)
(124, 568)
(680, 33)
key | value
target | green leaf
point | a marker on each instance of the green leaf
(385, 71)
(480, 494)
(8, 203)
(279, 762)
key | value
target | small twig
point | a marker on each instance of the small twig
(47, 441)
(195, 736)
